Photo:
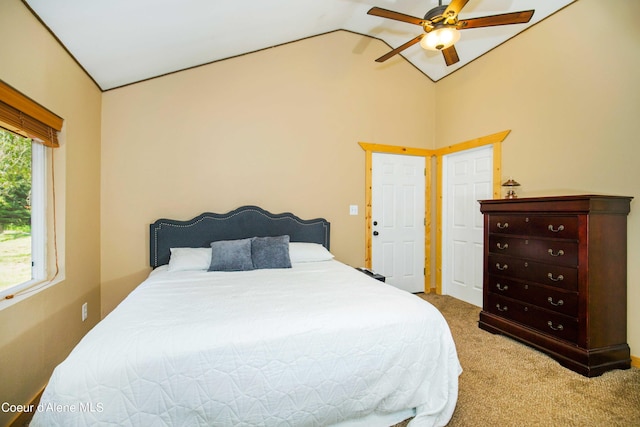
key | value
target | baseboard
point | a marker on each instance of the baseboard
(24, 418)
(635, 361)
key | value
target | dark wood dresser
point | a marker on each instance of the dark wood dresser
(555, 277)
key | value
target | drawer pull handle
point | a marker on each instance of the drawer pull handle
(556, 230)
(503, 226)
(555, 328)
(557, 304)
(502, 288)
(505, 308)
(560, 278)
(501, 246)
(501, 268)
(559, 253)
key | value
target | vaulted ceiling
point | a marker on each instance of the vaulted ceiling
(119, 42)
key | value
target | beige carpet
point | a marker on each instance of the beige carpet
(505, 383)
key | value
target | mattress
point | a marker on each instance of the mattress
(313, 345)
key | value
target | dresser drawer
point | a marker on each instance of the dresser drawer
(554, 226)
(561, 252)
(508, 224)
(554, 324)
(555, 299)
(561, 227)
(533, 271)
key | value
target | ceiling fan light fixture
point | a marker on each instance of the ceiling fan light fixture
(440, 38)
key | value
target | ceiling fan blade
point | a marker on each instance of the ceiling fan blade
(455, 7)
(384, 13)
(400, 48)
(450, 55)
(494, 20)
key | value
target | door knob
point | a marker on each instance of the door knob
(375, 222)
(375, 233)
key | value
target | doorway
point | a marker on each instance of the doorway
(494, 140)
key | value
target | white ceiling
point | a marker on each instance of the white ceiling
(119, 42)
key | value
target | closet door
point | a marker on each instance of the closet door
(467, 178)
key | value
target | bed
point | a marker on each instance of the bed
(311, 343)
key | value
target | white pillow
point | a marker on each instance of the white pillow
(189, 259)
(308, 252)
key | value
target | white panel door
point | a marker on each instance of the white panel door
(398, 223)
(468, 177)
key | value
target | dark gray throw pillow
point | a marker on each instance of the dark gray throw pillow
(270, 252)
(231, 255)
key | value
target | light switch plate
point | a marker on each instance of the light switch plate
(353, 209)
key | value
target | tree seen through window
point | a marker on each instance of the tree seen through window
(15, 209)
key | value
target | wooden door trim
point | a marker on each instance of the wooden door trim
(496, 140)
(369, 149)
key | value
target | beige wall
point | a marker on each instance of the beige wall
(38, 332)
(574, 111)
(279, 128)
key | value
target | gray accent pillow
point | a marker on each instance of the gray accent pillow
(231, 255)
(270, 252)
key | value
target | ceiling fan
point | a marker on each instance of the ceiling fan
(441, 25)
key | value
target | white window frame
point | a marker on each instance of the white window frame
(38, 212)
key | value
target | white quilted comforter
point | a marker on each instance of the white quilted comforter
(314, 345)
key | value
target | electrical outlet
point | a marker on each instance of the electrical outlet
(353, 209)
(84, 311)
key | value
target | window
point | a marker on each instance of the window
(22, 205)
(27, 130)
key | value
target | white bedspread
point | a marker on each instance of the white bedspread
(314, 345)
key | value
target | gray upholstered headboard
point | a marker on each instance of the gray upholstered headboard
(246, 221)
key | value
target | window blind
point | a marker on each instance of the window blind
(22, 115)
